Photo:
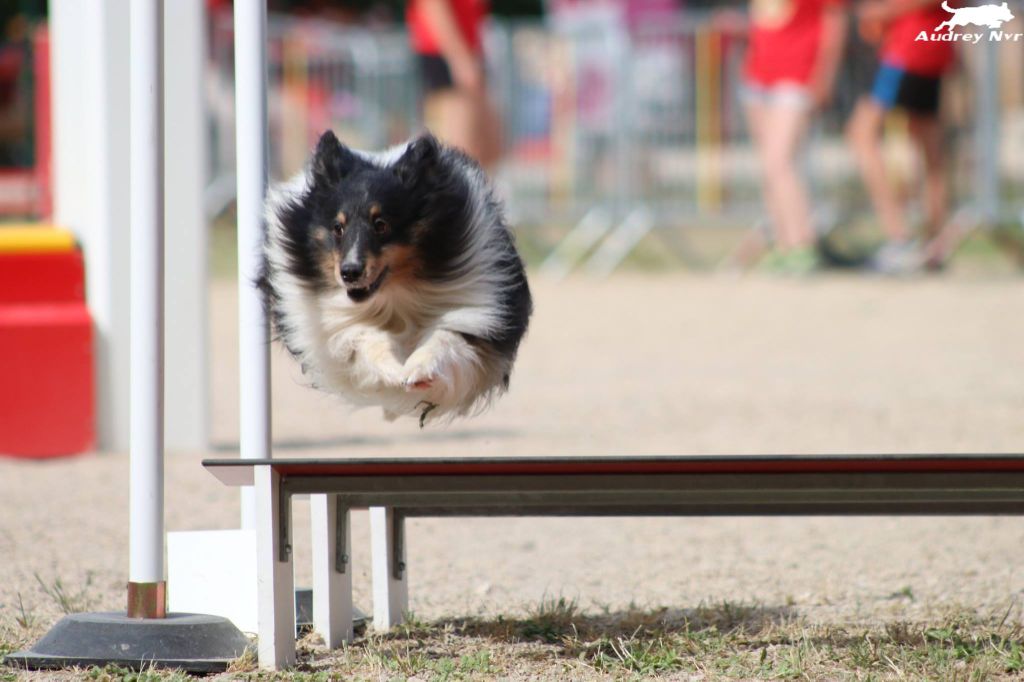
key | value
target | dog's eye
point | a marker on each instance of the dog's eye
(338, 227)
(381, 227)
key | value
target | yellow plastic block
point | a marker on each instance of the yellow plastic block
(35, 239)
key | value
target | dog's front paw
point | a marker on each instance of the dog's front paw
(419, 380)
(343, 349)
(368, 360)
(422, 372)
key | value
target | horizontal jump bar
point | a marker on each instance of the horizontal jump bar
(240, 471)
(677, 494)
(894, 507)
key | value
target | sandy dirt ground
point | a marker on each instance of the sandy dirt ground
(637, 364)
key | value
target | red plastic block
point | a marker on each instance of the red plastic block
(54, 277)
(46, 380)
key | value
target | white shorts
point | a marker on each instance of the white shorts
(788, 94)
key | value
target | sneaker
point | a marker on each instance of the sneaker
(770, 260)
(798, 261)
(897, 258)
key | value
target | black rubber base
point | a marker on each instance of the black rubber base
(186, 641)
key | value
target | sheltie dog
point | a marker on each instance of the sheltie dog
(394, 280)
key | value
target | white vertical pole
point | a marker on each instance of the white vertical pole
(390, 588)
(274, 575)
(146, 521)
(251, 172)
(185, 244)
(332, 575)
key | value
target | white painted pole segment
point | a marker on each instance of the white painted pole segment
(332, 589)
(186, 388)
(146, 491)
(274, 577)
(390, 594)
(251, 172)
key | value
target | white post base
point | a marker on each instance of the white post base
(332, 570)
(390, 578)
(275, 580)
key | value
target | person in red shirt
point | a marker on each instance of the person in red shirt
(793, 55)
(908, 78)
(446, 37)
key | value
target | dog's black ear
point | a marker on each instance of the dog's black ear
(332, 161)
(419, 163)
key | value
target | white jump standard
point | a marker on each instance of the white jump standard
(146, 635)
(395, 489)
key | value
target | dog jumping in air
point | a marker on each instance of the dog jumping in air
(394, 280)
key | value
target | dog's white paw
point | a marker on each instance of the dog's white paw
(422, 372)
(420, 380)
(368, 360)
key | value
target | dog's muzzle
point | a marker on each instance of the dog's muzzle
(354, 279)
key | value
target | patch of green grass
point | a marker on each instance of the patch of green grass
(551, 620)
(422, 660)
(320, 676)
(905, 592)
(477, 662)
(641, 655)
(113, 673)
(25, 618)
(14, 639)
(7, 646)
(68, 601)
(245, 663)
(407, 659)
(726, 640)
(556, 639)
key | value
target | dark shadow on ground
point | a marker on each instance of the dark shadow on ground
(557, 620)
(720, 640)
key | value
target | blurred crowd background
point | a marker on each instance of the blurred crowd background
(622, 131)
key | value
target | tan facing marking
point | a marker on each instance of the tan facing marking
(328, 263)
(341, 218)
(402, 260)
(326, 258)
(375, 210)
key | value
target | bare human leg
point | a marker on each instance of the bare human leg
(778, 130)
(466, 120)
(926, 132)
(864, 133)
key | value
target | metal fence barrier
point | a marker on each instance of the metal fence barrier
(615, 130)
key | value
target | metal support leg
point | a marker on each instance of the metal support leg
(621, 242)
(332, 573)
(390, 578)
(591, 229)
(986, 175)
(276, 584)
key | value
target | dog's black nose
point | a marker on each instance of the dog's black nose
(351, 272)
